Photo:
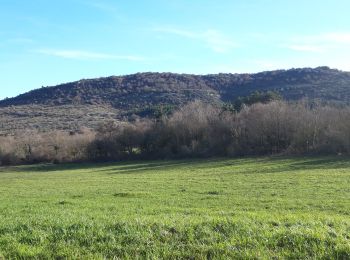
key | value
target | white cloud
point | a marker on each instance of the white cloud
(299, 61)
(263, 65)
(306, 48)
(21, 40)
(184, 33)
(218, 42)
(87, 55)
(100, 5)
(320, 42)
(214, 39)
(335, 37)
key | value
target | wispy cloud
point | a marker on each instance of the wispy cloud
(20, 40)
(334, 37)
(214, 39)
(306, 48)
(320, 42)
(102, 6)
(298, 61)
(87, 55)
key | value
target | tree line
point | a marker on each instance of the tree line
(195, 130)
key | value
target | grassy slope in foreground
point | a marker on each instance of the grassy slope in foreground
(238, 208)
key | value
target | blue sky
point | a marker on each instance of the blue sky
(45, 43)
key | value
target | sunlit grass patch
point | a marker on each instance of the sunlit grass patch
(197, 209)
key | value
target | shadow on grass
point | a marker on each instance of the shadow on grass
(142, 167)
(259, 164)
(54, 167)
(109, 167)
(312, 163)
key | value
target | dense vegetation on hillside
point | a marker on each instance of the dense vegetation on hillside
(147, 89)
(195, 130)
(43, 118)
(253, 208)
(142, 94)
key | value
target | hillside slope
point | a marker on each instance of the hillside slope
(120, 96)
(142, 89)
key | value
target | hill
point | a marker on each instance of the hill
(138, 90)
(88, 101)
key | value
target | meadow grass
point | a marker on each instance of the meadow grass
(253, 208)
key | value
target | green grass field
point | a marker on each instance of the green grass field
(256, 208)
